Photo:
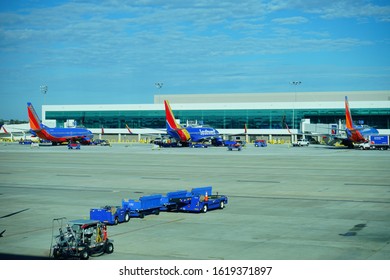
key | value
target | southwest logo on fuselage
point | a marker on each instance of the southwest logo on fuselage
(189, 133)
(56, 135)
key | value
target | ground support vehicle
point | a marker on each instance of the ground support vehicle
(25, 142)
(301, 143)
(146, 205)
(199, 145)
(80, 239)
(74, 145)
(170, 201)
(235, 146)
(100, 142)
(375, 142)
(260, 143)
(198, 200)
(111, 215)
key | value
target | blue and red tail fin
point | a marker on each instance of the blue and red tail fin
(348, 116)
(128, 129)
(173, 126)
(35, 123)
(170, 118)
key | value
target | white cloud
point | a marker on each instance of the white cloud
(290, 20)
(182, 41)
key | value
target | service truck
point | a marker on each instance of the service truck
(199, 200)
(375, 142)
(300, 143)
(111, 215)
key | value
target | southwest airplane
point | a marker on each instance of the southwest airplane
(188, 134)
(355, 134)
(56, 135)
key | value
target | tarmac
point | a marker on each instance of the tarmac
(285, 203)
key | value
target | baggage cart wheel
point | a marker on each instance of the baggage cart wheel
(204, 208)
(84, 255)
(109, 248)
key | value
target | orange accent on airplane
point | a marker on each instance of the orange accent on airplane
(35, 124)
(348, 116)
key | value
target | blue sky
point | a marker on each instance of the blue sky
(114, 51)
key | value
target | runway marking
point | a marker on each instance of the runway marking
(258, 181)
(150, 226)
(14, 213)
(57, 188)
(353, 231)
(309, 199)
(160, 178)
(357, 184)
(72, 175)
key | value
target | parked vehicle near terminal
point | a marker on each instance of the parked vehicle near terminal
(199, 145)
(73, 145)
(300, 143)
(260, 143)
(375, 142)
(101, 142)
(235, 146)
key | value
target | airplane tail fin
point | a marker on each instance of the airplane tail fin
(5, 131)
(172, 125)
(170, 118)
(35, 123)
(348, 116)
(128, 129)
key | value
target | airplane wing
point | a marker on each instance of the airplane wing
(15, 128)
(158, 132)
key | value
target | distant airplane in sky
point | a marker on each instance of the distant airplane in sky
(56, 135)
(188, 134)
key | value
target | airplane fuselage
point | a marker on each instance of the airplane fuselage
(359, 135)
(59, 135)
(199, 134)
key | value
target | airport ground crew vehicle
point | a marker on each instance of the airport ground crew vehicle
(301, 143)
(236, 146)
(375, 142)
(74, 145)
(260, 143)
(149, 204)
(80, 239)
(111, 215)
(198, 200)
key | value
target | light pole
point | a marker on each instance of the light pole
(294, 83)
(159, 86)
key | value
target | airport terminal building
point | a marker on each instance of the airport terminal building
(264, 114)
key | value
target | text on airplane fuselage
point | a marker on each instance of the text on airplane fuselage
(207, 132)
